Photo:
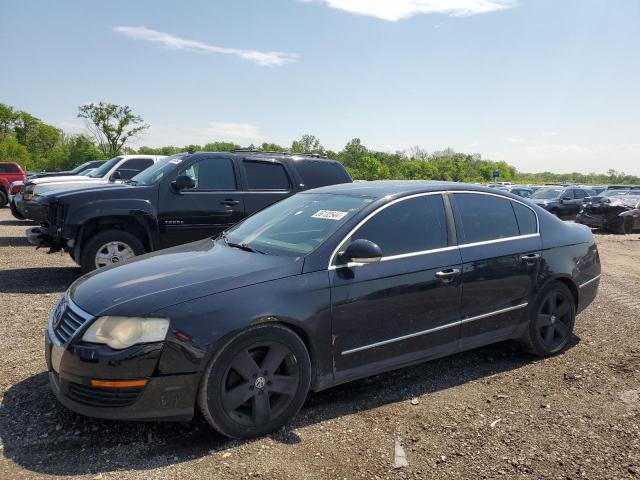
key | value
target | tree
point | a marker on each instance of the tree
(111, 125)
(307, 144)
(221, 147)
(8, 117)
(12, 151)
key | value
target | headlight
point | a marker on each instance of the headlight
(123, 332)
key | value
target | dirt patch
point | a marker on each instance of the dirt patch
(489, 413)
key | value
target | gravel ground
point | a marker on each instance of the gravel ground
(489, 413)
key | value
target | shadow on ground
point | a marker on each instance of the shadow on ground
(16, 223)
(38, 280)
(14, 242)
(44, 437)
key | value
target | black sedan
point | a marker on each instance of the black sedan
(325, 287)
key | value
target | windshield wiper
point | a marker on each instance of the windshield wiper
(241, 246)
(245, 247)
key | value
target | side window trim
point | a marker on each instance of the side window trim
(449, 204)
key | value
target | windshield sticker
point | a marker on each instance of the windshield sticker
(329, 214)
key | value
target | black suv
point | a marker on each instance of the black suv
(180, 199)
(563, 202)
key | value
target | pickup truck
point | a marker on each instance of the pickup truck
(180, 199)
(9, 172)
(120, 168)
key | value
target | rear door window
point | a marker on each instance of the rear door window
(527, 221)
(485, 217)
(318, 173)
(408, 226)
(265, 176)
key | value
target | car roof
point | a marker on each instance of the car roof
(281, 156)
(383, 188)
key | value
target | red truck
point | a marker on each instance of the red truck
(9, 172)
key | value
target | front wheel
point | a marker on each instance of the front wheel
(109, 247)
(4, 199)
(256, 382)
(551, 321)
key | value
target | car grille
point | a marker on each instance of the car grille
(68, 324)
(103, 397)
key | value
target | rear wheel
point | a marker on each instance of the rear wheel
(551, 321)
(256, 383)
(4, 199)
(627, 226)
(109, 247)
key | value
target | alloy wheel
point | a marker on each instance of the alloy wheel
(554, 319)
(260, 383)
(113, 252)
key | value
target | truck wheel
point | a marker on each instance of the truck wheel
(109, 247)
(627, 226)
(4, 199)
(256, 382)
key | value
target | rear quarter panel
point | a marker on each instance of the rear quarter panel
(570, 254)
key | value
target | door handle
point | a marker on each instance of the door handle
(448, 275)
(530, 258)
(230, 202)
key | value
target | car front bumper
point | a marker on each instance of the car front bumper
(72, 367)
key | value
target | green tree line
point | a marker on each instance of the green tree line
(38, 146)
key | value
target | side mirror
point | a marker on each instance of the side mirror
(183, 182)
(115, 176)
(361, 251)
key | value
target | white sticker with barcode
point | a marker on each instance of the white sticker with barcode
(329, 214)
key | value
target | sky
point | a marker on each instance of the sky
(542, 84)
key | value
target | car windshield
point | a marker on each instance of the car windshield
(158, 170)
(548, 193)
(80, 168)
(296, 226)
(104, 168)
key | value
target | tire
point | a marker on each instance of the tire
(551, 321)
(4, 199)
(106, 238)
(244, 362)
(14, 211)
(627, 226)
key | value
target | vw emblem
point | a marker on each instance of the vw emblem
(260, 383)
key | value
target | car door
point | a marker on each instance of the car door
(266, 182)
(214, 204)
(406, 306)
(501, 254)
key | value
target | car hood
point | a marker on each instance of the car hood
(52, 188)
(63, 178)
(168, 277)
(542, 201)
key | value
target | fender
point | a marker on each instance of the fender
(142, 211)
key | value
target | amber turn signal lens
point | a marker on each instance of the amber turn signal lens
(118, 383)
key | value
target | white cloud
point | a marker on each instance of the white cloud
(268, 59)
(160, 135)
(394, 10)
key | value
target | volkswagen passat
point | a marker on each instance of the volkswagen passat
(327, 286)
